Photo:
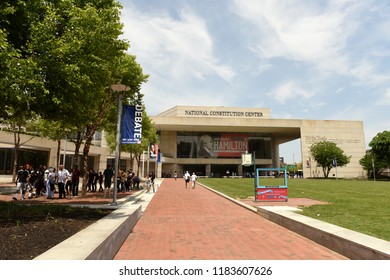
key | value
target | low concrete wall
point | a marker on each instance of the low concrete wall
(99, 241)
(111, 245)
(352, 244)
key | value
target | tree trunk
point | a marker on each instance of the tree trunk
(87, 145)
(85, 165)
(58, 153)
(77, 145)
(138, 159)
(15, 154)
(132, 161)
(324, 171)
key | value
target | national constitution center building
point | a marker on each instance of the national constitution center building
(208, 141)
(211, 140)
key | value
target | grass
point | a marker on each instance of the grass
(359, 205)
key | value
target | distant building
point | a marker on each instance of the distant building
(210, 140)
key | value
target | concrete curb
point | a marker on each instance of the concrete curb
(352, 244)
(99, 241)
(111, 245)
(103, 239)
(250, 208)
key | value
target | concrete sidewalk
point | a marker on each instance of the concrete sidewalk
(197, 224)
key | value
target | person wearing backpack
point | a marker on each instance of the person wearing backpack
(21, 182)
(187, 178)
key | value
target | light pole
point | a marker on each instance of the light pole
(255, 173)
(120, 89)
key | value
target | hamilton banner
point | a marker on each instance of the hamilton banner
(131, 124)
(222, 145)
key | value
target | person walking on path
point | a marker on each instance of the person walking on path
(148, 183)
(21, 183)
(187, 178)
(108, 173)
(75, 180)
(62, 176)
(40, 184)
(50, 183)
(100, 178)
(193, 179)
(91, 180)
(136, 181)
(152, 177)
(68, 184)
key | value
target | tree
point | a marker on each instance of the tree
(370, 163)
(78, 48)
(325, 152)
(65, 56)
(380, 145)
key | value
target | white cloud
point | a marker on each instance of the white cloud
(162, 96)
(177, 48)
(290, 90)
(294, 29)
(319, 35)
(386, 98)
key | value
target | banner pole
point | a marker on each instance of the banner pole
(255, 174)
(117, 144)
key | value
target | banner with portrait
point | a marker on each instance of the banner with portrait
(223, 145)
(153, 151)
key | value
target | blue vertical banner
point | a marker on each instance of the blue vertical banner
(131, 124)
(159, 157)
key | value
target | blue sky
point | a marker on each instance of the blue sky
(320, 60)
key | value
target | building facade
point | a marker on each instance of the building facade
(37, 151)
(211, 140)
(208, 141)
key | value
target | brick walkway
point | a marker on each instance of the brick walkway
(197, 224)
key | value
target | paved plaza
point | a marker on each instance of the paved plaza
(197, 224)
(179, 223)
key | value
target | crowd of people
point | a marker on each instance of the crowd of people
(32, 183)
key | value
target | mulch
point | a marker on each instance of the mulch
(28, 237)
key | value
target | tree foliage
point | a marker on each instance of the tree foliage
(325, 152)
(20, 81)
(58, 60)
(380, 146)
(372, 164)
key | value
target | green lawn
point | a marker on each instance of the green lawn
(363, 206)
